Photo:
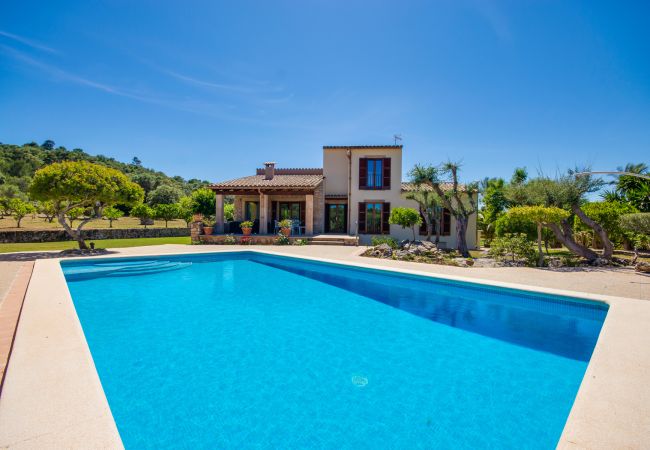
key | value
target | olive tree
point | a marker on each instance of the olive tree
(567, 192)
(166, 212)
(459, 199)
(112, 213)
(430, 206)
(405, 217)
(81, 184)
(19, 208)
(542, 216)
(143, 212)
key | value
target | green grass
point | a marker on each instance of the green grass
(104, 243)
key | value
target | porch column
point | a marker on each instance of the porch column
(218, 216)
(263, 213)
(309, 214)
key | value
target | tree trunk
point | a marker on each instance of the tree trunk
(110, 223)
(608, 247)
(437, 232)
(540, 258)
(565, 236)
(74, 234)
(18, 222)
(414, 232)
(429, 230)
(461, 236)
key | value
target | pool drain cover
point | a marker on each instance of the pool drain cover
(359, 380)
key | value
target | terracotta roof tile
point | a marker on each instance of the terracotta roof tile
(361, 146)
(278, 181)
(445, 186)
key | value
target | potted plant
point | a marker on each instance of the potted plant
(208, 225)
(285, 227)
(246, 227)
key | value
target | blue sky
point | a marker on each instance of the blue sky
(212, 89)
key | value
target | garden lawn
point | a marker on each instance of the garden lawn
(104, 243)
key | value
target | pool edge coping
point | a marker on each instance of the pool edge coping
(588, 426)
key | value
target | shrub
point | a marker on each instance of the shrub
(300, 242)
(282, 240)
(508, 224)
(230, 240)
(246, 224)
(378, 240)
(405, 217)
(514, 246)
(608, 215)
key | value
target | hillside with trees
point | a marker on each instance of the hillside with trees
(18, 163)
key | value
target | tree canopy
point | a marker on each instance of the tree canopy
(81, 184)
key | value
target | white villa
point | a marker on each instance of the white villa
(351, 195)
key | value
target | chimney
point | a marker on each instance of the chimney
(269, 170)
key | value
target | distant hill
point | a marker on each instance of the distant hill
(19, 162)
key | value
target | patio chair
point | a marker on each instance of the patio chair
(295, 225)
(276, 226)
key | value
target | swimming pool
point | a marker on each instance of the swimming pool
(245, 349)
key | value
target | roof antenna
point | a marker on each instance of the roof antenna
(397, 137)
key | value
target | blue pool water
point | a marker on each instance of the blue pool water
(245, 350)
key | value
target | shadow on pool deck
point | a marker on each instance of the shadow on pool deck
(33, 256)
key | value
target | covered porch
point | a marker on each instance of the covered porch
(266, 207)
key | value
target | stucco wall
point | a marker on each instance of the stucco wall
(335, 169)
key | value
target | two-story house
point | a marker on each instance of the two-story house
(351, 195)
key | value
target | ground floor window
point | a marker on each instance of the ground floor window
(290, 210)
(252, 211)
(373, 218)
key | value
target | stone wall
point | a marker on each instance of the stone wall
(96, 234)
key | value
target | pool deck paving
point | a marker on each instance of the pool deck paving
(52, 396)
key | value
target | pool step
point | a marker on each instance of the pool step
(124, 269)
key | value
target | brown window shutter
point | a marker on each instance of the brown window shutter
(363, 173)
(303, 206)
(423, 225)
(361, 217)
(386, 173)
(385, 214)
(445, 229)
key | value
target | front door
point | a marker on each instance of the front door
(336, 220)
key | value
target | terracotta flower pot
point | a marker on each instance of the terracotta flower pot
(247, 231)
(207, 230)
(286, 231)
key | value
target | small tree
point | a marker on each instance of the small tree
(143, 212)
(430, 206)
(204, 200)
(229, 212)
(541, 216)
(19, 208)
(112, 213)
(47, 209)
(186, 209)
(639, 224)
(406, 218)
(166, 212)
(81, 184)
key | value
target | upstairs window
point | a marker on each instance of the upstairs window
(374, 173)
